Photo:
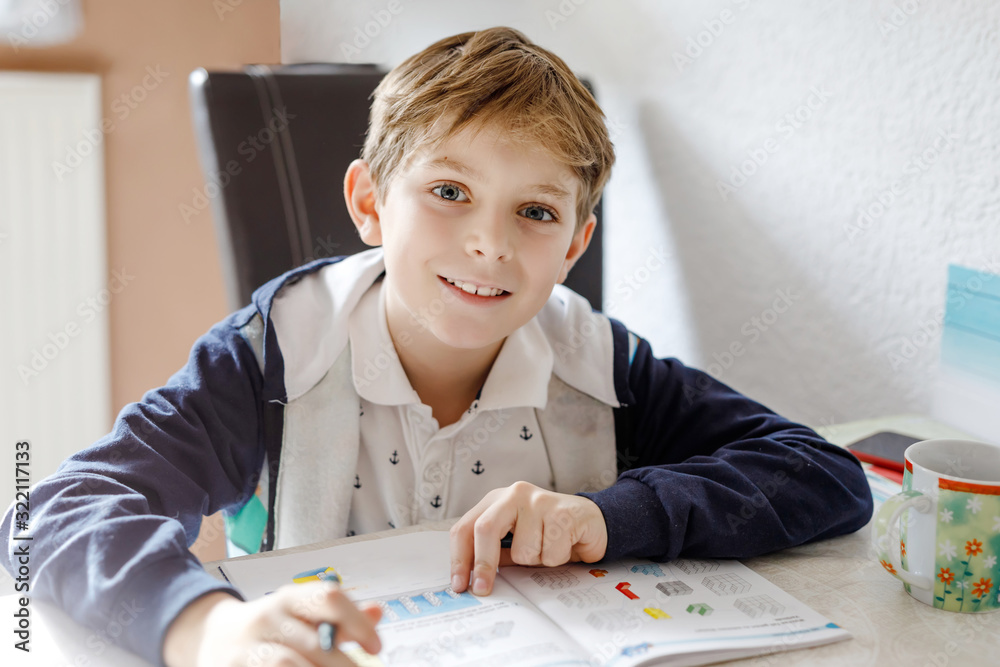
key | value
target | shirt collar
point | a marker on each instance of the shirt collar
(378, 375)
(521, 373)
(519, 377)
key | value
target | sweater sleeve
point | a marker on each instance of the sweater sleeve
(113, 524)
(713, 474)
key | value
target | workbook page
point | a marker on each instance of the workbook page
(685, 612)
(424, 622)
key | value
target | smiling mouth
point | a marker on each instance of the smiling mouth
(470, 288)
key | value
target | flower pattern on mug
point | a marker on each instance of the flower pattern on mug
(982, 587)
(973, 547)
(966, 542)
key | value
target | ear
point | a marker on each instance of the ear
(581, 240)
(360, 195)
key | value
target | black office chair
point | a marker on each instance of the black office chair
(276, 141)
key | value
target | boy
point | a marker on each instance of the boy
(401, 384)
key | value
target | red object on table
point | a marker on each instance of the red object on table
(888, 473)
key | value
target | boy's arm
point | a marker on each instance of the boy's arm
(112, 526)
(715, 474)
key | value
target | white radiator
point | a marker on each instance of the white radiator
(55, 375)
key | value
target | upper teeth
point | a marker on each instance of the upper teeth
(473, 289)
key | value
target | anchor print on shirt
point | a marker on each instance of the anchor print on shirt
(525, 434)
(436, 502)
(394, 459)
(478, 468)
(357, 482)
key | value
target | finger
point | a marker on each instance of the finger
(462, 549)
(303, 640)
(278, 654)
(592, 534)
(526, 548)
(490, 527)
(557, 539)
(318, 602)
(461, 539)
(372, 611)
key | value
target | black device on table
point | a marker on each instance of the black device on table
(884, 448)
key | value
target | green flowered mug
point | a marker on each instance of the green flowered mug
(947, 549)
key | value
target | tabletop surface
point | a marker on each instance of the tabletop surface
(839, 578)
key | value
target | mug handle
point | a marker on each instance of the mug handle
(885, 535)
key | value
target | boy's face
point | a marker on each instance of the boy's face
(476, 209)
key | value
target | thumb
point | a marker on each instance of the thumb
(593, 541)
(373, 611)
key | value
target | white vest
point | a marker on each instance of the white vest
(313, 500)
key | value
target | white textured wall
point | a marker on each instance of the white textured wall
(905, 103)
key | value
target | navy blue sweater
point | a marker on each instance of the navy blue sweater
(703, 472)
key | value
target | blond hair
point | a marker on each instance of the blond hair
(491, 77)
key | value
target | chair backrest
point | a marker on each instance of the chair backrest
(274, 144)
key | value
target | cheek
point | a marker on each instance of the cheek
(546, 256)
(423, 226)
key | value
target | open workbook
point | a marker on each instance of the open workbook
(632, 612)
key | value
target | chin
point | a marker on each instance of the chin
(468, 338)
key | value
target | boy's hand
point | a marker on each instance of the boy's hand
(549, 529)
(218, 630)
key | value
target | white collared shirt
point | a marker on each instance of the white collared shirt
(409, 469)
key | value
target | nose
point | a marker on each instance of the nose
(488, 236)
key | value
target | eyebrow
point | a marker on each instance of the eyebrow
(550, 189)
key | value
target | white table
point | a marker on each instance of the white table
(839, 578)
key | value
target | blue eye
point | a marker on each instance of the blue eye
(449, 191)
(539, 213)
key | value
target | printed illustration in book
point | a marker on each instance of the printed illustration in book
(632, 612)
